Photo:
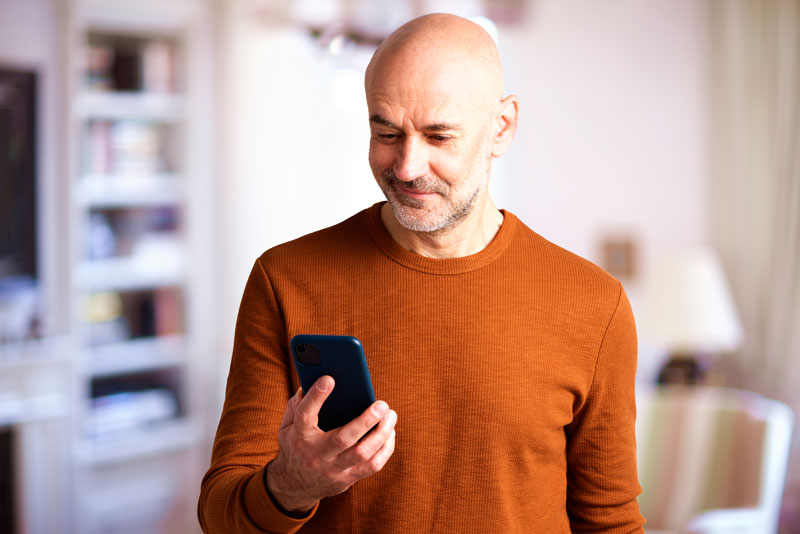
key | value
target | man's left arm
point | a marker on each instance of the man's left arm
(602, 482)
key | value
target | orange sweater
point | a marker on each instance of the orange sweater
(511, 370)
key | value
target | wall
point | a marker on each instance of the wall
(613, 121)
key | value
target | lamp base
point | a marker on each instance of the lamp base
(687, 370)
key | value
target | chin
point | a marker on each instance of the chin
(419, 219)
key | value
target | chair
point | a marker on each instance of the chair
(712, 460)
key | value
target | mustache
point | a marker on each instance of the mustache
(423, 184)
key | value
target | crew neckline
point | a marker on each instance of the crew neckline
(463, 264)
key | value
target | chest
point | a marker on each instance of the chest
(476, 356)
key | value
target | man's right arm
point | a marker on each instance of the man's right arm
(233, 497)
(258, 427)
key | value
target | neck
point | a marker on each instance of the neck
(469, 236)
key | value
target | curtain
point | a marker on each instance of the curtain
(756, 191)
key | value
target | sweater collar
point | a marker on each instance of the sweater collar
(387, 245)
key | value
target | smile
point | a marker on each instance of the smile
(413, 193)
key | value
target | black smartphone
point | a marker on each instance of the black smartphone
(341, 357)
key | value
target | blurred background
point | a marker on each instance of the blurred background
(151, 150)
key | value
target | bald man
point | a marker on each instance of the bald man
(504, 364)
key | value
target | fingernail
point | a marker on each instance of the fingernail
(324, 384)
(380, 409)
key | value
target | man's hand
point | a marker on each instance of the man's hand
(313, 464)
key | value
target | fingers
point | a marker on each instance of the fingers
(368, 443)
(291, 408)
(307, 412)
(377, 461)
(345, 437)
(327, 463)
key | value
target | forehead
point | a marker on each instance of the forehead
(388, 110)
(422, 95)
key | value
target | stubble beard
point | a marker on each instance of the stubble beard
(411, 212)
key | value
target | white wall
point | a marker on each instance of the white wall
(614, 121)
(612, 135)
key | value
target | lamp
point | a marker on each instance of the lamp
(687, 308)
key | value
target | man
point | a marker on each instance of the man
(505, 364)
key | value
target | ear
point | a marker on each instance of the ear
(505, 125)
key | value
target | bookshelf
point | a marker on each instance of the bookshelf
(141, 258)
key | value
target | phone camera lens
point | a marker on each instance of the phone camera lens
(307, 354)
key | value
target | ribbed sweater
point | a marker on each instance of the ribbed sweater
(511, 371)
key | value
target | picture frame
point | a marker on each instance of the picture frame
(619, 256)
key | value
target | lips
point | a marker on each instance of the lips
(417, 193)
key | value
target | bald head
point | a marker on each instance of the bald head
(437, 118)
(439, 48)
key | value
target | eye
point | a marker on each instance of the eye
(387, 136)
(439, 138)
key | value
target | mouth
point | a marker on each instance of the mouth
(414, 193)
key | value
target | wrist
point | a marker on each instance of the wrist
(284, 501)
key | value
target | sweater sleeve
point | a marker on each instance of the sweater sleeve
(233, 495)
(602, 482)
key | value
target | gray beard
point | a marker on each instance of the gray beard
(404, 207)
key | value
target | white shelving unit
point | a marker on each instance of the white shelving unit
(164, 108)
(140, 203)
(128, 274)
(105, 191)
(137, 356)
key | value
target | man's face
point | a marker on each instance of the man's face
(429, 148)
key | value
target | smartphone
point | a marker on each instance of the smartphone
(341, 357)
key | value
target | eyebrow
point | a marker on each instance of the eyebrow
(436, 127)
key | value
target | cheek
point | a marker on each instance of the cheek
(463, 170)
(449, 166)
(380, 155)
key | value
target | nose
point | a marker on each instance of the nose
(412, 160)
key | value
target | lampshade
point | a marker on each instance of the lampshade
(687, 306)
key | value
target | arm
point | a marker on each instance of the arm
(233, 497)
(602, 482)
(264, 442)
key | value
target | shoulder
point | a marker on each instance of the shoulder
(327, 248)
(567, 276)
(559, 263)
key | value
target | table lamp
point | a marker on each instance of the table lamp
(687, 309)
